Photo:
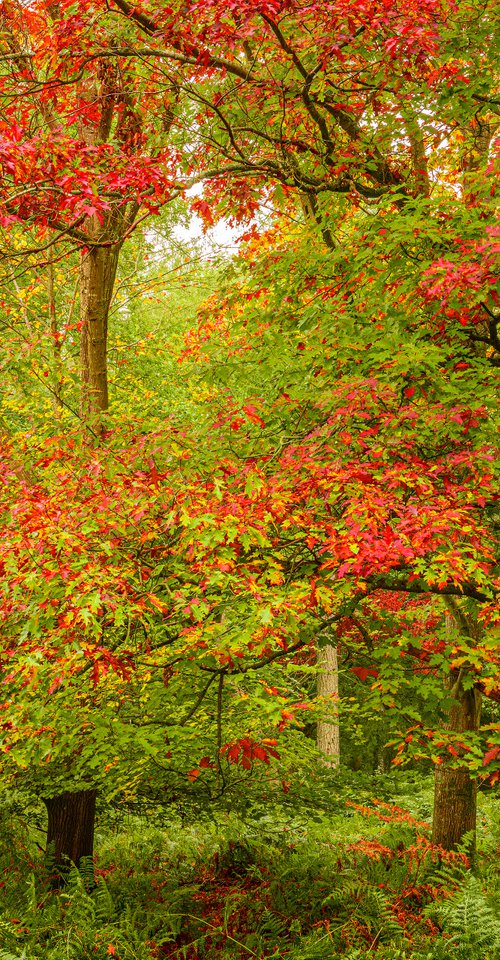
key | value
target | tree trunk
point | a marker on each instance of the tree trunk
(454, 789)
(70, 834)
(71, 815)
(70, 831)
(97, 276)
(327, 732)
(57, 375)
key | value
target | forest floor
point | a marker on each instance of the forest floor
(272, 882)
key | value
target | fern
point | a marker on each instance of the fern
(9, 934)
(264, 888)
(471, 921)
(376, 914)
(270, 928)
(317, 946)
(104, 906)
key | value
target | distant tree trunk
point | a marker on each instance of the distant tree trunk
(57, 376)
(328, 733)
(383, 757)
(455, 791)
(97, 277)
(70, 831)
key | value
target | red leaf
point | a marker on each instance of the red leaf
(364, 672)
(490, 755)
(252, 414)
(258, 753)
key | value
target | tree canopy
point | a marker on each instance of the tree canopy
(304, 452)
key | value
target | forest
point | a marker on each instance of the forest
(249, 420)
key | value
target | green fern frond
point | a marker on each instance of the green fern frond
(271, 926)
(470, 920)
(104, 905)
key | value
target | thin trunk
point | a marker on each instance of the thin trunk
(328, 733)
(383, 764)
(70, 832)
(418, 157)
(56, 344)
(97, 276)
(454, 789)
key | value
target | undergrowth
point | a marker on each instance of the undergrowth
(364, 884)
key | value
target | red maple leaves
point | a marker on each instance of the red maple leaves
(245, 751)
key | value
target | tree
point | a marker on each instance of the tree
(455, 792)
(73, 126)
(79, 141)
(387, 469)
(343, 84)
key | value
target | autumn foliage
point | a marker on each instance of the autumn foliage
(332, 476)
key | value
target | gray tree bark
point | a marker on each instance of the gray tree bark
(327, 731)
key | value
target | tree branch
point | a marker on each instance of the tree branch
(148, 26)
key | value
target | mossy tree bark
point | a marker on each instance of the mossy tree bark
(455, 791)
(97, 278)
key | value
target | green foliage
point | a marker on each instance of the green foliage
(269, 886)
(321, 463)
(160, 286)
(472, 918)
